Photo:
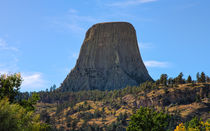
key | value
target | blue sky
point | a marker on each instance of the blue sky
(42, 38)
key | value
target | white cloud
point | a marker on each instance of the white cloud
(33, 82)
(130, 2)
(156, 64)
(5, 46)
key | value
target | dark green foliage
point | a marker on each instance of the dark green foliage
(44, 116)
(147, 119)
(170, 81)
(122, 119)
(198, 77)
(179, 79)
(97, 114)
(52, 88)
(189, 79)
(197, 98)
(14, 117)
(115, 126)
(207, 79)
(195, 123)
(86, 127)
(9, 86)
(163, 79)
(203, 77)
(16, 113)
(29, 104)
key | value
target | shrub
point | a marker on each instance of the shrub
(15, 117)
(147, 119)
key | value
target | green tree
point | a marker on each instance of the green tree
(163, 79)
(179, 79)
(29, 104)
(189, 79)
(147, 119)
(14, 117)
(198, 77)
(14, 114)
(203, 77)
(170, 81)
(9, 86)
(207, 79)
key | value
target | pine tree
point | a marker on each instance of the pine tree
(207, 79)
(170, 81)
(179, 79)
(203, 77)
(198, 77)
(189, 79)
(163, 79)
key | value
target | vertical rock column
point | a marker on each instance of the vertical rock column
(109, 59)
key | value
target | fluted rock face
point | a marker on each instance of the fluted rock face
(109, 59)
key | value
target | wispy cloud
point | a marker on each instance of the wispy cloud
(130, 2)
(8, 57)
(157, 64)
(9, 65)
(74, 21)
(5, 46)
(33, 82)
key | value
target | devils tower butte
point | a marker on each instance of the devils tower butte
(109, 59)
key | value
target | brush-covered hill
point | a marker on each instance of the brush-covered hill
(111, 110)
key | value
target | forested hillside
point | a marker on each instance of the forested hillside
(179, 99)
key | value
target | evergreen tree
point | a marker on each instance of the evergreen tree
(198, 77)
(170, 81)
(179, 79)
(163, 79)
(157, 82)
(52, 88)
(189, 79)
(203, 77)
(207, 79)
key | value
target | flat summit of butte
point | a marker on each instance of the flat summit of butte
(109, 59)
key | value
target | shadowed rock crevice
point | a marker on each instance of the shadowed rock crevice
(109, 59)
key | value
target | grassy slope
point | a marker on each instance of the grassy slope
(185, 101)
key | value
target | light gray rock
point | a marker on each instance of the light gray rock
(109, 59)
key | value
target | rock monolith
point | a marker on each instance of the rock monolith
(109, 59)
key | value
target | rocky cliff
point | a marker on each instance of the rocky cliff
(109, 59)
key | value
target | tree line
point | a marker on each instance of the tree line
(200, 78)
